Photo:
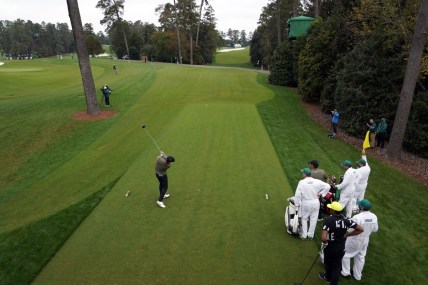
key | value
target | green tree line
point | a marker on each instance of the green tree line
(187, 32)
(194, 24)
(353, 58)
(20, 39)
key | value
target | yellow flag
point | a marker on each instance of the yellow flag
(366, 143)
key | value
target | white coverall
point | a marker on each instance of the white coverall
(356, 246)
(307, 198)
(361, 182)
(347, 189)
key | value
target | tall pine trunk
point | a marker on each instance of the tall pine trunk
(190, 34)
(123, 31)
(278, 21)
(317, 8)
(180, 58)
(191, 47)
(199, 22)
(126, 42)
(83, 58)
(409, 83)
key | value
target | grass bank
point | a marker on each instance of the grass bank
(396, 254)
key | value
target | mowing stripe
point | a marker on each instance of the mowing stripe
(225, 164)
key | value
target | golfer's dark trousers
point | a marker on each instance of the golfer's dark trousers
(381, 140)
(107, 100)
(334, 128)
(333, 264)
(163, 185)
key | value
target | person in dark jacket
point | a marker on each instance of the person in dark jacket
(163, 163)
(334, 123)
(372, 128)
(381, 134)
(333, 236)
(106, 94)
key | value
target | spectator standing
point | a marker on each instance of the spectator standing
(106, 94)
(372, 128)
(333, 237)
(334, 123)
(356, 246)
(318, 173)
(381, 134)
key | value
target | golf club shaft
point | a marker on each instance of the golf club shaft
(152, 139)
(310, 268)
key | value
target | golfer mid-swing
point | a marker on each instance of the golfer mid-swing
(163, 162)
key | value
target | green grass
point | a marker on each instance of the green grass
(106, 48)
(26, 249)
(235, 138)
(235, 58)
(396, 253)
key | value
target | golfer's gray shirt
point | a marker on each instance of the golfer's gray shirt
(161, 165)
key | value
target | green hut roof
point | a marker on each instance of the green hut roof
(300, 18)
(298, 26)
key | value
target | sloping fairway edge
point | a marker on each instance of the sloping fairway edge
(26, 250)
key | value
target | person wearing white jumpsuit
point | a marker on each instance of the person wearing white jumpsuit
(347, 187)
(356, 246)
(363, 172)
(307, 196)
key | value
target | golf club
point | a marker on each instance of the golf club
(300, 283)
(144, 127)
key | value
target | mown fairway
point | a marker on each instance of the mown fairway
(217, 227)
(65, 219)
(234, 58)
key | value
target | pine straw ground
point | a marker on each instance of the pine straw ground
(83, 116)
(411, 164)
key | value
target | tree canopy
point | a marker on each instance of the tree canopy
(353, 58)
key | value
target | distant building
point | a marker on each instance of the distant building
(237, 46)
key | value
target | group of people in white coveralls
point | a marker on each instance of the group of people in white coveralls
(352, 190)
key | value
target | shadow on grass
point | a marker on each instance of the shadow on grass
(25, 251)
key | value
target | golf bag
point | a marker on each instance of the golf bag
(330, 197)
(293, 222)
